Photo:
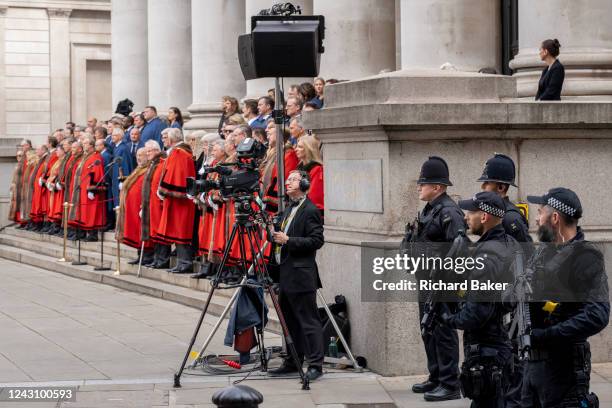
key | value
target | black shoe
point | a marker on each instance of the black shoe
(441, 393)
(424, 387)
(314, 372)
(181, 269)
(45, 227)
(200, 275)
(134, 261)
(21, 226)
(164, 265)
(149, 265)
(29, 226)
(91, 238)
(286, 368)
(37, 227)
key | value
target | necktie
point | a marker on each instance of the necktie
(133, 148)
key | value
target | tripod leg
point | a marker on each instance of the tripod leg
(218, 324)
(288, 339)
(338, 332)
(225, 311)
(214, 284)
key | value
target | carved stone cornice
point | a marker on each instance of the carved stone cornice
(59, 12)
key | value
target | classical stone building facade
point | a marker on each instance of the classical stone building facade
(55, 66)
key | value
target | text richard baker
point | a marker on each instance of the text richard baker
(429, 285)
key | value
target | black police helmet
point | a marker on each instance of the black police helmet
(499, 169)
(434, 171)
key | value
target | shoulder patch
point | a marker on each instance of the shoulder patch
(446, 219)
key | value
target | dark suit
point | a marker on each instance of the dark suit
(551, 83)
(299, 281)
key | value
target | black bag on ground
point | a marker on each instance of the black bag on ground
(339, 311)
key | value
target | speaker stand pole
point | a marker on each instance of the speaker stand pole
(279, 119)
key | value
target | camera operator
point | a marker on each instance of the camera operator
(300, 236)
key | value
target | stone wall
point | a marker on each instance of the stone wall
(384, 127)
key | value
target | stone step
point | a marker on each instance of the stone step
(38, 256)
(90, 253)
(110, 245)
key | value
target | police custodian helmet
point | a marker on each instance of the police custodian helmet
(434, 171)
(499, 169)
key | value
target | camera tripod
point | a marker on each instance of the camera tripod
(246, 229)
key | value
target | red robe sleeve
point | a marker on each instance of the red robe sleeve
(316, 187)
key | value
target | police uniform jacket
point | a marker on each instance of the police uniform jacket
(575, 272)
(480, 314)
(515, 224)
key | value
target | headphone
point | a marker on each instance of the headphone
(304, 181)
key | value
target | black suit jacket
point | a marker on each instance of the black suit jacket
(551, 83)
(298, 268)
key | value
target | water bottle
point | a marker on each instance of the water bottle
(333, 349)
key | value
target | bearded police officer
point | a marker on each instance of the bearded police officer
(440, 221)
(569, 304)
(498, 175)
(486, 345)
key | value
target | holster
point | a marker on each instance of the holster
(481, 374)
(579, 396)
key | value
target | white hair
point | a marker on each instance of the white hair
(117, 131)
(152, 144)
(175, 134)
(210, 138)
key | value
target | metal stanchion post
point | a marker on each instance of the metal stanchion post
(118, 271)
(65, 221)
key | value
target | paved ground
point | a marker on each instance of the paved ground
(120, 349)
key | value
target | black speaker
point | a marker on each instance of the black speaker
(282, 46)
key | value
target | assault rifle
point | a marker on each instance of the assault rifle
(431, 308)
(522, 295)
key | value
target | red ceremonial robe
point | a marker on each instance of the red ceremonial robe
(155, 205)
(129, 215)
(39, 195)
(316, 192)
(47, 193)
(178, 213)
(89, 214)
(208, 223)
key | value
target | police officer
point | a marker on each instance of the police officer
(487, 348)
(440, 221)
(498, 175)
(570, 303)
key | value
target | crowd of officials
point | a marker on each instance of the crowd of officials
(130, 173)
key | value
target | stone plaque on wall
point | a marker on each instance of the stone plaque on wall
(354, 185)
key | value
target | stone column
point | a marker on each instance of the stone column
(3, 10)
(359, 37)
(59, 65)
(259, 87)
(584, 31)
(216, 25)
(129, 52)
(465, 33)
(169, 23)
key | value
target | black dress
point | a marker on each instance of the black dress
(551, 83)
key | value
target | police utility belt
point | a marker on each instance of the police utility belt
(481, 373)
